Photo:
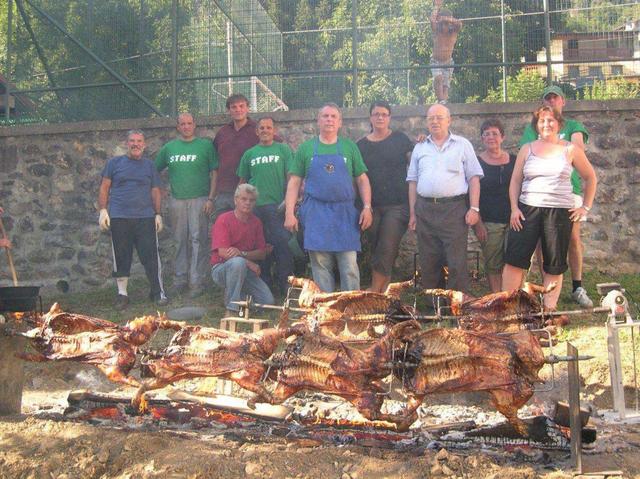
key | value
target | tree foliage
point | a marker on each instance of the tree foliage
(611, 89)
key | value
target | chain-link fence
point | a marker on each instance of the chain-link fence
(99, 59)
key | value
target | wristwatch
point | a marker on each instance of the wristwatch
(243, 254)
(474, 208)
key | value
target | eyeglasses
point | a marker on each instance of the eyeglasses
(437, 118)
(489, 134)
(380, 115)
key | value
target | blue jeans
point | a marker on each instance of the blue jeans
(276, 235)
(191, 234)
(323, 263)
(239, 281)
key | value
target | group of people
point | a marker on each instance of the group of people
(263, 196)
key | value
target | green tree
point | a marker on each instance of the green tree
(611, 89)
(522, 87)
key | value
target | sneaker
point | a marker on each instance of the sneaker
(121, 302)
(581, 297)
(196, 291)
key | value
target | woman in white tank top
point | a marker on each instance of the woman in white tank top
(541, 200)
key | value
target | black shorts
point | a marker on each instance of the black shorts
(552, 226)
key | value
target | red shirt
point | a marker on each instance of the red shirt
(228, 231)
(231, 145)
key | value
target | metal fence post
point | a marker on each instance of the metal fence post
(174, 58)
(504, 53)
(547, 40)
(7, 85)
(354, 51)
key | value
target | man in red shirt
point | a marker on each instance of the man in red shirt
(230, 142)
(237, 245)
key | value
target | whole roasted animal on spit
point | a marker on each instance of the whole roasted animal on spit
(75, 337)
(314, 362)
(351, 315)
(196, 352)
(505, 311)
(453, 360)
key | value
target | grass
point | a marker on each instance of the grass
(99, 302)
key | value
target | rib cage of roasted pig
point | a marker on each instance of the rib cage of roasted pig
(352, 316)
(318, 363)
(505, 311)
(453, 360)
(111, 348)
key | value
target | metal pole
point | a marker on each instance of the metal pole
(547, 40)
(7, 85)
(41, 55)
(174, 58)
(230, 56)
(354, 51)
(504, 53)
(574, 409)
(95, 57)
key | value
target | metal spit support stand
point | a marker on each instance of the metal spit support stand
(619, 318)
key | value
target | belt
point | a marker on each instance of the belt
(444, 199)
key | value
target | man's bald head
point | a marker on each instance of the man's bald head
(186, 126)
(438, 121)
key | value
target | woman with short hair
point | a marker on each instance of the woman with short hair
(386, 153)
(542, 205)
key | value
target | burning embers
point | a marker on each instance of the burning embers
(278, 363)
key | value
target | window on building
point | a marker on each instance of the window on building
(616, 70)
(595, 72)
(573, 44)
(574, 71)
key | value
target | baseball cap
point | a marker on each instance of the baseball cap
(552, 89)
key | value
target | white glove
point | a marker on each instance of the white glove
(104, 221)
(159, 224)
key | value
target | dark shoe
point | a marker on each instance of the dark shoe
(196, 292)
(121, 302)
(162, 301)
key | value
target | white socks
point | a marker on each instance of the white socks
(122, 285)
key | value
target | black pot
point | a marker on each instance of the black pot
(18, 298)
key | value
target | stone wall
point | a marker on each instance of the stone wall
(50, 176)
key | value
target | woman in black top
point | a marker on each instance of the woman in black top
(386, 154)
(495, 208)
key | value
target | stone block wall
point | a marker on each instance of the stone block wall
(50, 174)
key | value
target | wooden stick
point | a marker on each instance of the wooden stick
(13, 269)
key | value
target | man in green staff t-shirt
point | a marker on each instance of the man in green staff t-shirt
(265, 166)
(576, 133)
(192, 164)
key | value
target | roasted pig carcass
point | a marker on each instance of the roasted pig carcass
(317, 363)
(351, 315)
(311, 294)
(452, 360)
(505, 311)
(207, 352)
(363, 317)
(110, 347)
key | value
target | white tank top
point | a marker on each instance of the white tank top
(547, 181)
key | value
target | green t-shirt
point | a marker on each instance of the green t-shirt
(265, 167)
(190, 164)
(568, 129)
(350, 151)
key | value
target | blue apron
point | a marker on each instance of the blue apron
(327, 213)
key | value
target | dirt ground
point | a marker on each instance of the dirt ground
(40, 443)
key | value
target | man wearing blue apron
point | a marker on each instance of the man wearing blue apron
(329, 164)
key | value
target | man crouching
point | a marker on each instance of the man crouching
(236, 246)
